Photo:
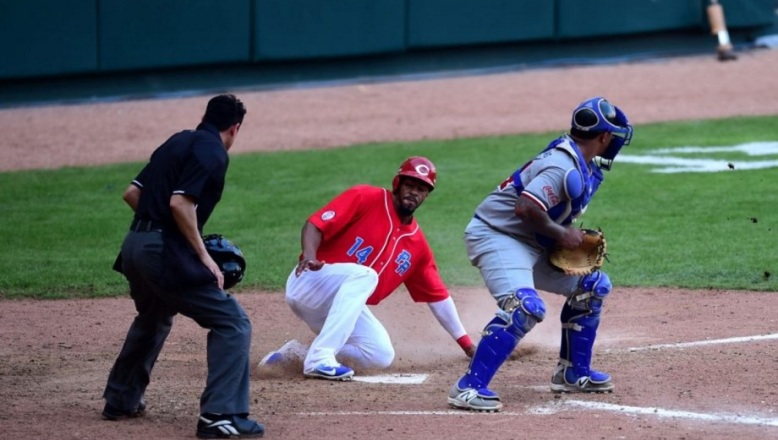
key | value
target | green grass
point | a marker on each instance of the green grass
(60, 230)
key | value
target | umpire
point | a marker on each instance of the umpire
(170, 271)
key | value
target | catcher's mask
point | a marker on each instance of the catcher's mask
(419, 168)
(597, 115)
(228, 257)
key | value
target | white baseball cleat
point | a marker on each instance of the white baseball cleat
(290, 351)
(565, 381)
(471, 399)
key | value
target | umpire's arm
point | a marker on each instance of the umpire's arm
(184, 212)
(132, 196)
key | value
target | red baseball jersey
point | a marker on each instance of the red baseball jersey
(361, 226)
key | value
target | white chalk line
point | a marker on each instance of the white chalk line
(707, 342)
(561, 406)
(660, 412)
(409, 413)
(405, 379)
(415, 379)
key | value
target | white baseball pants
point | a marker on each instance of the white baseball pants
(332, 302)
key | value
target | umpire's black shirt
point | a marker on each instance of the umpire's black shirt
(192, 163)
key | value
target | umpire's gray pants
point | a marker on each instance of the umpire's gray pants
(229, 336)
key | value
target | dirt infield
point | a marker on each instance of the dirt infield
(53, 371)
(520, 102)
(686, 364)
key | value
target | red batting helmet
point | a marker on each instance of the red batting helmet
(417, 167)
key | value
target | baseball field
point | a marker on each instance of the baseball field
(688, 334)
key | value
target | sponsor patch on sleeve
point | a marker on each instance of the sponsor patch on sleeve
(328, 215)
(553, 199)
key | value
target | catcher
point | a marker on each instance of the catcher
(517, 236)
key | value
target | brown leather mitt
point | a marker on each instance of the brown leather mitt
(584, 259)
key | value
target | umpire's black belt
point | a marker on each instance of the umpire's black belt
(145, 226)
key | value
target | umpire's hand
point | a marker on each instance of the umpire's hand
(215, 270)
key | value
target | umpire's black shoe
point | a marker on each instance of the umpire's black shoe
(111, 412)
(228, 426)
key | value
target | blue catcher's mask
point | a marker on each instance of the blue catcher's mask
(597, 115)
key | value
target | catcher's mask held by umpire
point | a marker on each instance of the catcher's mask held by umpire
(597, 115)
(417, 167)
(228, 257)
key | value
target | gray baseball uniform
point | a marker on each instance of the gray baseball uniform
(507, 254)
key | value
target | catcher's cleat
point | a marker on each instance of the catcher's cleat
(228, 426)
(113, 413)
(329, 372)
(564, 381)
(471, 399)
(292, 350)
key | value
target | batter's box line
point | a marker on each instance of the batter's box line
(557, 407)
(408, 413)
(682, 345)
(675, 414)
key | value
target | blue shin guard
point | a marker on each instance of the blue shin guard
(520, 312)
(580, 319)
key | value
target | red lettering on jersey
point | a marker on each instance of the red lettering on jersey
(505, 183)
(553, 199)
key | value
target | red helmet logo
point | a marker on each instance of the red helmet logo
(417, 167)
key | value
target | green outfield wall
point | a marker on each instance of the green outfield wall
(47, 37)
(303, 29)
(445, 23)
(142, 34)
(55, 38)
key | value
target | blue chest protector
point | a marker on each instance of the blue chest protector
(580, 187)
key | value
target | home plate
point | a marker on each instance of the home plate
(411, 379)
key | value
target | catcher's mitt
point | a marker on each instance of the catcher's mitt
(584, 259)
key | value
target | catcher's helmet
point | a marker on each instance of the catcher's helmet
(597, 115)
(228, 257)
(417, 167)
